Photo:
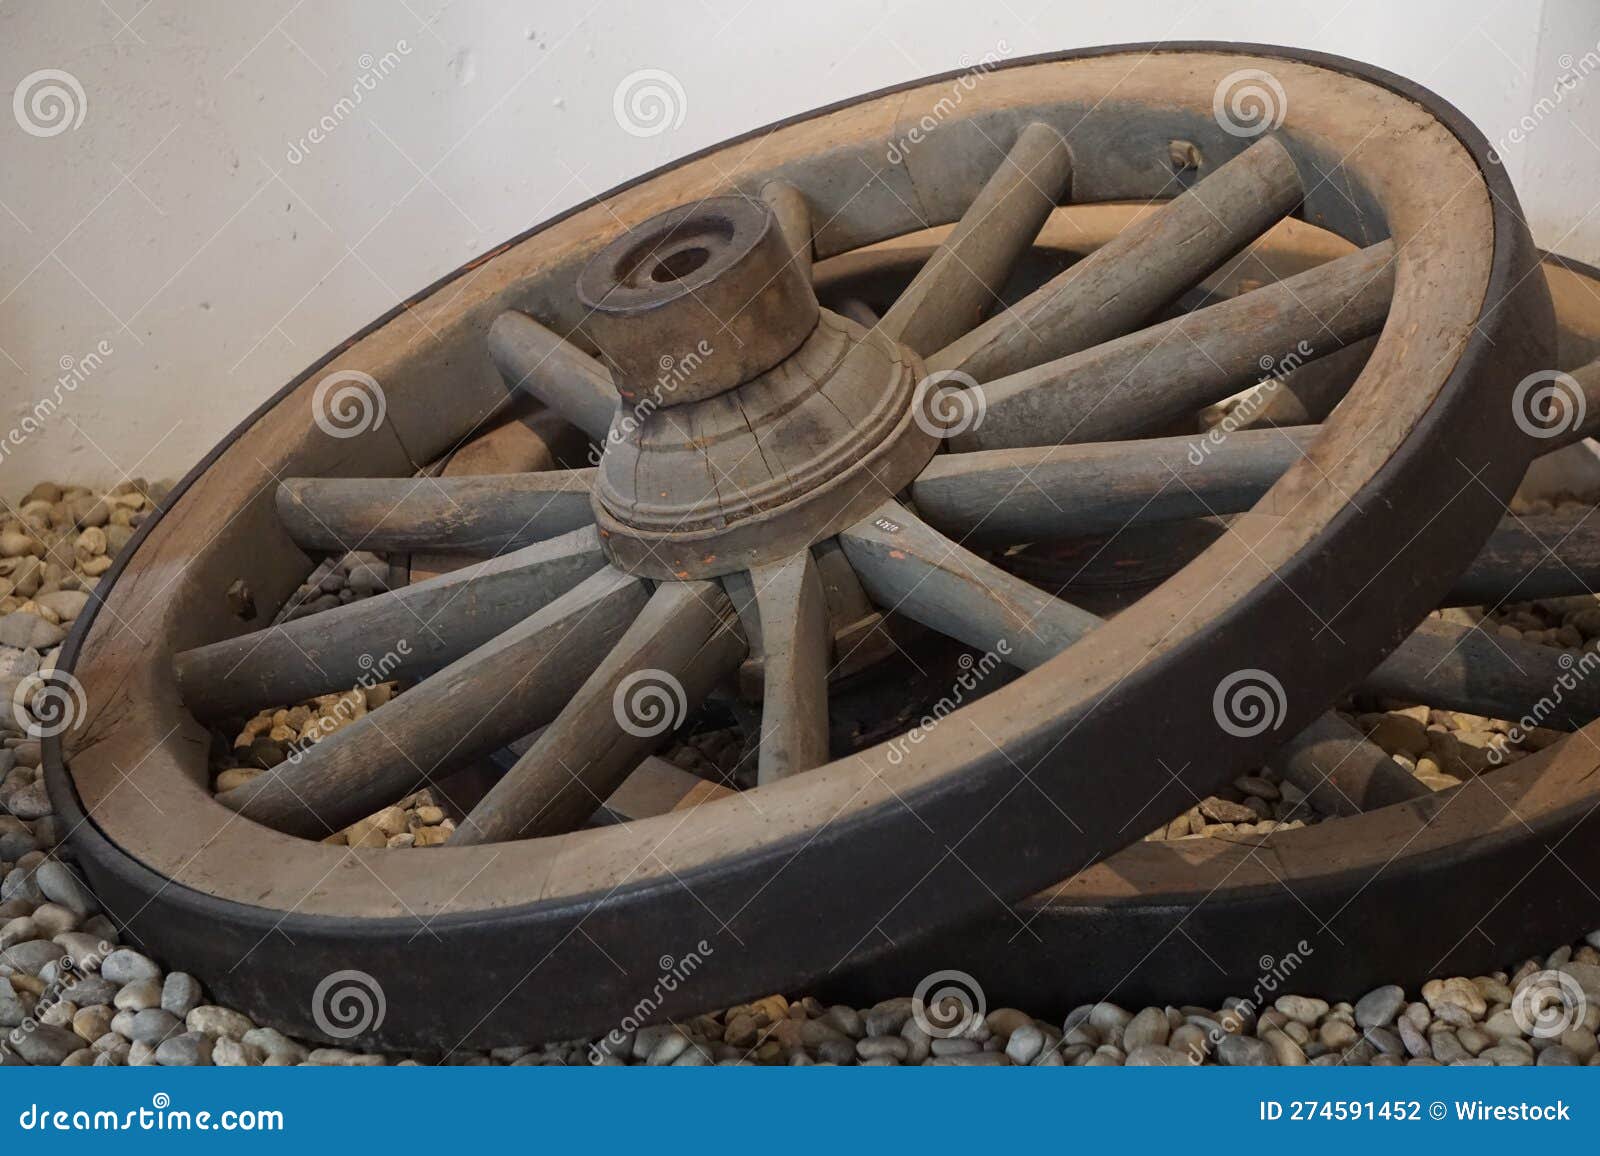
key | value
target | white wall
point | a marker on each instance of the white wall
(178, 226)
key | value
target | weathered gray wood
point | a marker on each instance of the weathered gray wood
(1105, 572)
(656, 787)
(1342, 771)
(961, 282)
(856, 310)
(1053, 494)
(797, 647)
(679, 647)
(1527, 556)
(477, 514)
(909, 568)
(1048, 492)
(533, 439)
(1307, 394)
(558, 373)
(403, 634)
(1462, 668)
(848, 603)
(754, 477)
(511, 684)
(1136, 384)
(742, 593)
(1533, 556)
(861, 636)
(1587, 379)
(1122, 284)
(788, 204)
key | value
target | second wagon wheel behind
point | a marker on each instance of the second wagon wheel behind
(753, 507)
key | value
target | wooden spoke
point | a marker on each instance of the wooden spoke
(530, 439)
(794, 218)
(796, 647)
(1342, 771)
(514, 682)
(1029, 495)
(856, 310)
(657, 787)
(405, 633)
(939, 583)
(848, 603)
(1034, 496)
(1330, 758)
(1122, 284)
(1307, 394)
(742, 594)
(908, 567)
(1576, 417)
(1528, 556)
(859, 634)
(676, 651)
(1105, 572)
(554, 370)
(1533, 556)
(1135, 384)
(1462, 668)
(478, 514)
(961, 282)
(653, 788)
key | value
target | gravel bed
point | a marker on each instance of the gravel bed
(72, 994)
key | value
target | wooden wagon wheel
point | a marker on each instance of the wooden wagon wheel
(689, 572)
(1402, 882)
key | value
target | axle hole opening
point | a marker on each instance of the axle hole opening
(676, 266)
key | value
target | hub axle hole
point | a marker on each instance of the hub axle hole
(676, 266)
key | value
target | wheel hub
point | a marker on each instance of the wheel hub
(754, 423)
